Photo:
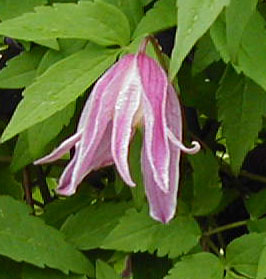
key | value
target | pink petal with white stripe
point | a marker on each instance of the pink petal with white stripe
(126, 107)
(63, 148)
(102, 157)
(155, 84)
(163, 204)
(98, 112)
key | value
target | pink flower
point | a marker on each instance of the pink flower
(134, 91)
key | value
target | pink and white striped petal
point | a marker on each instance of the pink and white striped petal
(155, 84)
(63, 148)
(97, 114)
(127, 104)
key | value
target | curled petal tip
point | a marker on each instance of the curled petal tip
(195, 148)
(192, 150)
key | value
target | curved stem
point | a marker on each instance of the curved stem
(226, 227)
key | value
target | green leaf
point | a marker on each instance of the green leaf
(138, 232)
(205, 54)
(27, 238)
(138, 192)
(14, 8)
(104, 271)
(86, 20)
(252, 58)
(166, 15)
(256, 204)
(34, 142)
(257, 225)
(90, 226)
(131, 8)
(51, 43)
(218, 35)
(194, 18)
(66, 46)
(8, 184)
(238, 14)
(261, 273)
(32, 272)
(57, 211)
(60, 85)
(21, 70)
(252, 48)
(242, 254)
(241, 104)
(207, 189)
(201, 266)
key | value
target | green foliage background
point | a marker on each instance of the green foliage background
(218, 62)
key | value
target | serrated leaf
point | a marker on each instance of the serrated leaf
(165, 13)
(201, 266)
(256, 204)
(34, 143)
(90, 226)
(194, 18)
(238, 14)
(27, 238)
(21, 70)
(205, 54)
(243, 254)
(60, 85)
(138, 232)
(32, 272)
(241, 104)
(14, 8)
(8, 184)
(86, 20)
(207, 192)
(104, 271)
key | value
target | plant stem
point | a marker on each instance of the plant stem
(226, 227)
(43, 185)
(253, 176)
(27, 186)
(158, 52)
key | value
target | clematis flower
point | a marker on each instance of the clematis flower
(133, 92)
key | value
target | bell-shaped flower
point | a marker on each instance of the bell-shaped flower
(133, 92)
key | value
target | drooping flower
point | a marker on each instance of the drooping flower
(135, 91)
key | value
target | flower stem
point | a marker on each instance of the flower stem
(158, 51)
(226, 227)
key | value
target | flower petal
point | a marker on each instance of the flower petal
(192, 150)
(155, 83)
(102, 157)
(63, 148)
(127, 105)
(162, 204)
(96, 115)
(174, 123)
